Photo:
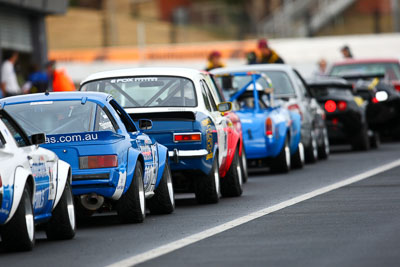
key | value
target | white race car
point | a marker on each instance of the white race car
(34, 188)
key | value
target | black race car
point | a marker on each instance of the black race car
(383, 109)
(345, 113)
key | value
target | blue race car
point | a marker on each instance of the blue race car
(271, 133)
(114, 165)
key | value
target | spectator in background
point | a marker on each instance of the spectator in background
(214, 61)
(346, 52)
(321, 71)
(58, 79)
(251, 58)
(267, 55)
(9, 82)
(37, 81)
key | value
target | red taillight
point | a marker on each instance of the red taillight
(342, 105)
(295, 107)
(269, 127)
(330, 106)
(375, 100)
(95, 162)
(192, 137)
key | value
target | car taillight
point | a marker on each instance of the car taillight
(269, 127)
(330, 106)
(190, 137)
(342, 105)
(295, 107)
(95, 162)
(375, 100)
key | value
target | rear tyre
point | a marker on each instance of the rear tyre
(298, 159)
(131, 207)
(312, 149)
(62, 223)
(281, 164)
(231, 184)
(163, 201)
(207, 188)
(375, 140)
(245, 172)
(324, 149)
(360, 141)
(19, 233)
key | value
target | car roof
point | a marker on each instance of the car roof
(366, 61)
(253, 67)
(147, 71)
(95, 96)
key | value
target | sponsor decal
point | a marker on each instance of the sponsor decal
(54, 139)
(209, 138)
(121, 185)
(129, 80)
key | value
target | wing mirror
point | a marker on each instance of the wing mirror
(145, 124)
(224, 107)
(38, 139)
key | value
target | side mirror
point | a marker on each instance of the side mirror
(224, 107)
(145, 124)
(38, 139)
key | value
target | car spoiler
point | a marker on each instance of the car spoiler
(165, 116)
(331, 84)
(363, 76)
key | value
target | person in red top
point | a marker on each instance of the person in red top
(58, 79)
(214, 61)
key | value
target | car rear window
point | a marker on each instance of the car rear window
(60, 117)
(330, 91)
(392, 70)
(154, 91)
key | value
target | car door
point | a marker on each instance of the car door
(40, 167)
(305, 101)
(220, 122)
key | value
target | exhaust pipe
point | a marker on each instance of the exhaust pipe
(92, 201)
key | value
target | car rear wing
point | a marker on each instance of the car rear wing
(363, 76)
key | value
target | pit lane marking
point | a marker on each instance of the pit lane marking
(175, 245)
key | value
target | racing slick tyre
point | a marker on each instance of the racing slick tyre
(231, 184)
(282, 163)
(361, 140)
(207, 187)
(245, 172)
(62, 223)
(324, 149)
(312, 149)
(131, 207)
(19, 233)
(298, 159)
(163, 201)
(375, 140)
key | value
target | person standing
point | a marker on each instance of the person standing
(346, 52)
(214, 61)
(322, 65)
(267, 55)
(58, 79)
(9, 82)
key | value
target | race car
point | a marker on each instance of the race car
(34, 189)
(383, 108)
(345, 113)
(292, 92)
(271, 133)
(390, 67)
(203, 144)
(114, 165)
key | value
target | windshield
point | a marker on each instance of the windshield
(330, 91)
(154, 91)
(60, 117)
(392, 70)
(282, 84)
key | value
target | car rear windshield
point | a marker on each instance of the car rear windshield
(60, 117)
(237, 83)
(154, 91)
(392, 70)
(281, 82)
(331, 91)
